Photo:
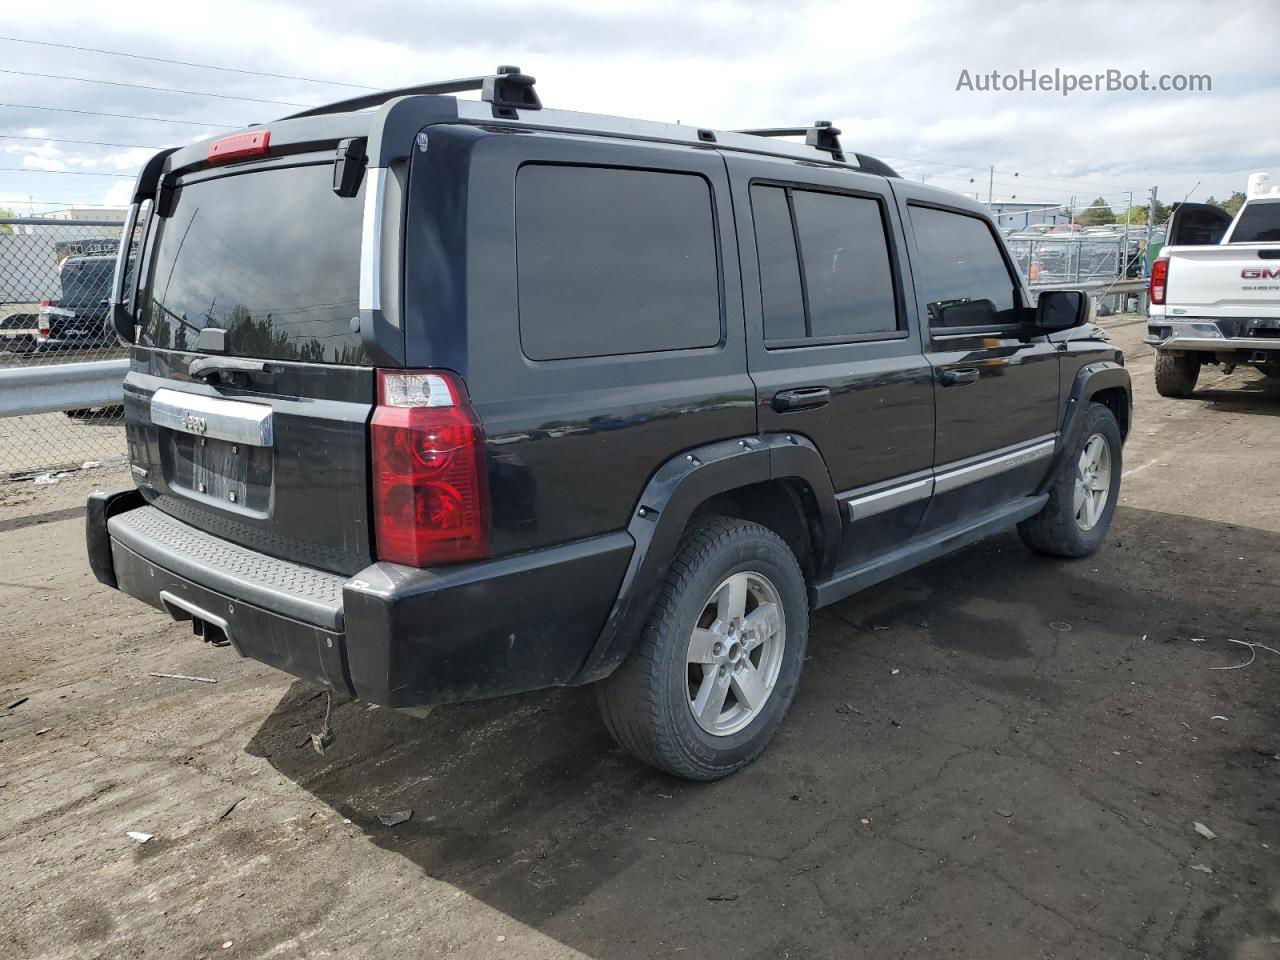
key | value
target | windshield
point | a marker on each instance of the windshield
(270, 256)
(1259, 223)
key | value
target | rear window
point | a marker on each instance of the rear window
(614, 261)
(86, 282)
(272, 257)
(1259, 223)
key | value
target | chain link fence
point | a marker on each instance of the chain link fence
(1053, 259)
(55, 280)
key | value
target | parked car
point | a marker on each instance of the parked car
(471, 398)
(78, 319)
(1214, 291)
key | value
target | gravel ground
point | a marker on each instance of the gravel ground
(997, 756)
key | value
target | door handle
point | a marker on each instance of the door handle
(958, 378)
(801, 398)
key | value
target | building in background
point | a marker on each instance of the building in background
(1020, 214)
(86, 213)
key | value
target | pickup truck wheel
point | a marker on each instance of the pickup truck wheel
(718, 661)
(1083, 495)
(1176, 373)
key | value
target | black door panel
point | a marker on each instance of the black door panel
(857, 384)
(996, 376)
(995, 389)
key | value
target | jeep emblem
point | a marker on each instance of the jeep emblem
(194, 424)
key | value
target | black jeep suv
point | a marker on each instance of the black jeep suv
(433, 399)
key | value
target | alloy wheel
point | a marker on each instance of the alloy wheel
(735, 653)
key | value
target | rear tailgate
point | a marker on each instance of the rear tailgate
(1224, 281)
(256, 263)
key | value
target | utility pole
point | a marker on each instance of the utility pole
(991, 182)
(1124, 259)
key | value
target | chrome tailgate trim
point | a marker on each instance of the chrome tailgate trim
(247, 423)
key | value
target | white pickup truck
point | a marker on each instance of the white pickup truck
(1215, 290)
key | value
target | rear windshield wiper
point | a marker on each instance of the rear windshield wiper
(207, 368)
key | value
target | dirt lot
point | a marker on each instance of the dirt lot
(997, 756)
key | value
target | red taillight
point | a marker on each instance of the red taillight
(430, 486)
(1159, 281)
(239, 145)
(42, 325)
(46, 302)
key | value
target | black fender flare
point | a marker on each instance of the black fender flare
(1090, 380)
(669, 499)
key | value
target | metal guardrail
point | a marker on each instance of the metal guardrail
(60, 387)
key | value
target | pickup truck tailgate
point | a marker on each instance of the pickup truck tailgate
(1227, 280)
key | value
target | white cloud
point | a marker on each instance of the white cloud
(886, 73)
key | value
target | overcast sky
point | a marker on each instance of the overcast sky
(886, 73)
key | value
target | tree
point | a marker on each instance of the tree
(1096, 214)
(6, 213)
(1233, 203)
(1138, 214)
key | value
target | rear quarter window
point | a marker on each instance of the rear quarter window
(614, 261)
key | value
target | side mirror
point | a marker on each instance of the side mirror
(1061, 309)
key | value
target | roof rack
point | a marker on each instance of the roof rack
(507, 89)
(821, 136)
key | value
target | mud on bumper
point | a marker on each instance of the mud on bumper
(392, 635)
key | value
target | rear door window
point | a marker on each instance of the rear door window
(614, 261)
(825, 269)
(962, 275)
(270, 256)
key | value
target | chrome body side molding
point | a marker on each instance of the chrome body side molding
(951, 477)
(867, 502)
(899, 495)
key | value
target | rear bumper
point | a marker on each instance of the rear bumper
(1205, 335)
(391, 635)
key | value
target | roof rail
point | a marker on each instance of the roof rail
(507, 89)
(821, 136)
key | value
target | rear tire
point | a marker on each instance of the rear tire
(719, 659)
(1084, 493)
(1176, 373)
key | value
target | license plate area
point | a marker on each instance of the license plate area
(232, 475)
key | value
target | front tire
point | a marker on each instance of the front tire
(1084, 493)
(719, 660)
(1176, 373)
